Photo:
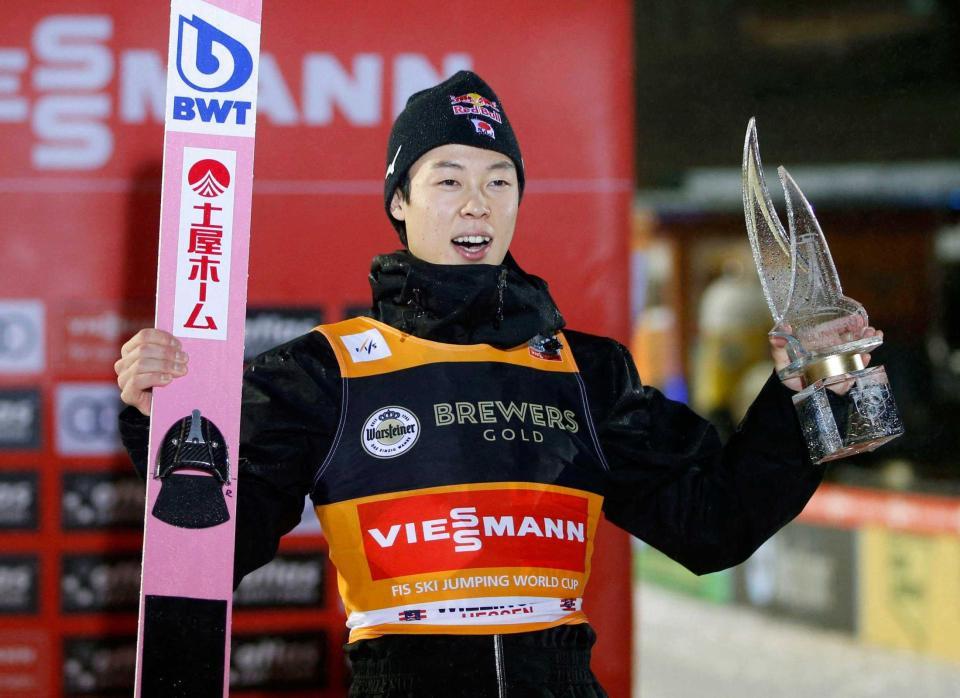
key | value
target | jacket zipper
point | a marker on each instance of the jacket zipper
(498, 660)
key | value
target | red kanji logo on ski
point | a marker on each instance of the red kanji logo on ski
(209, 178)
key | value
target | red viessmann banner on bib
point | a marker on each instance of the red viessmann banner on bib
(465, 530)
(82, 100)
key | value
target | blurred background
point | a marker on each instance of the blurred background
(631, 117)
(859, 101)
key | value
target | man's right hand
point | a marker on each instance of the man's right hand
(150, 358)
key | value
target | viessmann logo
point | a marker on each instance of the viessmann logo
(492, 528)
(390, 431)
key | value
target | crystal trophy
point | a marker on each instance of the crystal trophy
(844, 407)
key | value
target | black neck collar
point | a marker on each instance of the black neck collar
(500, 305)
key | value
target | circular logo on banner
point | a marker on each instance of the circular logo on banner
(209, 178)
(18, 336)
(390, 431)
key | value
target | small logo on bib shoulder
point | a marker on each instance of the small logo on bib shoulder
(546, 348)
(366, 346)
(390, 431)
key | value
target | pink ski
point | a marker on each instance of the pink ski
(187, 582)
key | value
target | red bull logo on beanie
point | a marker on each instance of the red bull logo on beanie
(484, 128)
(472, 103)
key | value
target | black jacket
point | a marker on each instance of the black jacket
(670, 481)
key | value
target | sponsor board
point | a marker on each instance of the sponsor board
(96, 666)
(270, 327)
(287, 580)
(103, 500)
(909, 591)
(90, 335)
(806, 573)
(19, 580)
(19, 493)
(20, 419)
(86, 419)
(99, 583)
(22, 332)
(279, 661)
(25, 663)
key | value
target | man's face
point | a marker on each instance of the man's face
(463, 206)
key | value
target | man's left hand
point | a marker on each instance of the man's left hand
(778, 351)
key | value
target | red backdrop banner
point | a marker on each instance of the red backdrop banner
(81, 102)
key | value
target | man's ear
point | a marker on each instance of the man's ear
(396, 206)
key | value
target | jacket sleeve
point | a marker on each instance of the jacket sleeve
(289, 414)
(674, 485)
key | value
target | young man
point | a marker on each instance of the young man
(459, 447)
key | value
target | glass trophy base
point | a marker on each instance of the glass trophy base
(843, 353)
(848, 413)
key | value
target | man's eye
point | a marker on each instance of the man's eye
(448, 182)
(501, 183)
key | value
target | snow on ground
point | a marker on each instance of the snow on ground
(689, 648)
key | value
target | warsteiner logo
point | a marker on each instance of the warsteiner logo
(390, 431)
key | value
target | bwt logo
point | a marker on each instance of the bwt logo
(215, 61)
(210, 60)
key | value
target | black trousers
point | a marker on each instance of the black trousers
(544, 664)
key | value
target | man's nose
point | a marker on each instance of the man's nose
(476, 205)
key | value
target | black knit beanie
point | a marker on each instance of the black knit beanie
(462, 109)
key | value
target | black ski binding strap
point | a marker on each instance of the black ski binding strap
(192, 501)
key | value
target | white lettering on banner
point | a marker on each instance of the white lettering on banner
(72, 47)
(71, 128)
(202, 295)
(273, 98)
(143, 86)
(12, 63)
(469, 536)
(75, 137)
(74, 70)
(413, 72)
(325, 83)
